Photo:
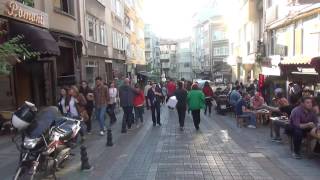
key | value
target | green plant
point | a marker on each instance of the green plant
(27, 2)
(14, 49)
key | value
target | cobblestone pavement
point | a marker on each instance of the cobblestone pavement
(167, 153)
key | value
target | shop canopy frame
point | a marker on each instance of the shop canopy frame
(292, 68)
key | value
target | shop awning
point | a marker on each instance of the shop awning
(40, 40)
(296, 60)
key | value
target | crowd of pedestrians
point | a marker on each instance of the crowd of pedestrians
(302, 109)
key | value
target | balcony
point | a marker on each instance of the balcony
(165, 65)
(164, 56)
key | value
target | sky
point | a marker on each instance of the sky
(172, 18)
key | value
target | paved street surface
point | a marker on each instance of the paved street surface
(218, 151)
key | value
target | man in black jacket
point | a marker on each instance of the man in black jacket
(181, 95)
(126, 95)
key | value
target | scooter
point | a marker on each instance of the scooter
(43, 140)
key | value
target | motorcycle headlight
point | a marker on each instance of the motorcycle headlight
(30, 143)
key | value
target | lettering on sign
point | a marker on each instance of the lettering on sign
(16, 11)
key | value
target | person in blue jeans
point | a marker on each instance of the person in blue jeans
(101, 97)
(243, 110)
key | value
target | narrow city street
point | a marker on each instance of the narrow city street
(165, 152)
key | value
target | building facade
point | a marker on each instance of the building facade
(53, 32)
(168, 61)
(95, 60)
(152, 50)
(246, 33)
(184, 59)
(293, 39)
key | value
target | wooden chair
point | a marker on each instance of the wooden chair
(241, 119)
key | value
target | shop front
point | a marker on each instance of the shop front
(304, 71)
(31, 79)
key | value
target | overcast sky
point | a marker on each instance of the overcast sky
(172, 18)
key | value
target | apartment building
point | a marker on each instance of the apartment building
(152, 50)
(95, 60)
(184, 59)
(168, 61)
(246, 35)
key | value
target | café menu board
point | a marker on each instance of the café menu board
(21, 12)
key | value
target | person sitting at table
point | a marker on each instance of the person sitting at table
(302, 120)
(315, 132)
(243, 110)
(256, 101)
(280, 100)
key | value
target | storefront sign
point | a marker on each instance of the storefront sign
(21, 12)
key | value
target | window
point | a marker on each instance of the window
(102, 33)
(221, 51)
(117, 8)
(186, 65)
(67, 6)
(118, 41)
(219, 35)
(96, 30)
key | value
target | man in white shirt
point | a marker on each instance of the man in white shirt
(146, 89)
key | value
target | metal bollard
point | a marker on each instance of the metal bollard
(85, 166)
(109, 137)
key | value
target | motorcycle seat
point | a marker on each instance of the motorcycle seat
(66, 129)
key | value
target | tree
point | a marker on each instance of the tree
(12, 51)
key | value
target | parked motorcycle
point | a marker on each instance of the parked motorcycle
(43, 140)
(221, 98)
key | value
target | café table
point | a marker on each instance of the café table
(277, 118)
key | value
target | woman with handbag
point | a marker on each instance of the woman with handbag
(113, 93)
(77, 107)
(208, 93)
(88, 94)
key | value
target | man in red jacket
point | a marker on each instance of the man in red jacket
(171, 87)
(138, 103)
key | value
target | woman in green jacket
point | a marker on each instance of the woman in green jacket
(196, 103)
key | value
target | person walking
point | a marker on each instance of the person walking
(146, 89)
(181, 95)
(196, 103)
(208, 93)
(138, 104)
(126, 95)
(88, 94)
(76, 107)
(62, 106)
(171, 88)
(101, 98)
(113, 92)
(154, 97)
